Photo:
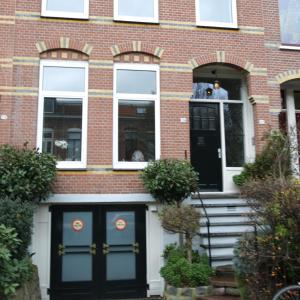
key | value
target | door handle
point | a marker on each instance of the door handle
(219, 153)
(105, 248)
(61, 249)
(136, 248)
(93, 249)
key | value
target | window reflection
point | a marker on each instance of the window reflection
(136, 131)
(216, 11)
(290, 21)
(62, 128)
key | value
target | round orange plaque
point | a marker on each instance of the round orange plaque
(120, 224)
(77, 225)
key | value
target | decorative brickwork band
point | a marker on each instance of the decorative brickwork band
(64, 43)
(288, 75)
(136, 46)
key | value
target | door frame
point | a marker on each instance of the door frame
(94, 288)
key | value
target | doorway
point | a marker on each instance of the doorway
(98, 252)
(205, 135)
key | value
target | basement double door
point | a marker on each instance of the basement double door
(98, 252)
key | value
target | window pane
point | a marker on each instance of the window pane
(290, 21)
(223, 89)
(136, 8)
(66, 5)
(136, 131)
(234, 134)
(216, 11)
(136, 82)
(62, 128)
(64, 79)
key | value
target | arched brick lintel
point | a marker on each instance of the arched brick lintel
(137, 46)
(222, 57)
(287, 76)
(64, 43)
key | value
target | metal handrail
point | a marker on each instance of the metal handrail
(208, 227)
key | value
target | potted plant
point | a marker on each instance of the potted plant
(171, 181)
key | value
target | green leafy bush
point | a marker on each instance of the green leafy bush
(170, 180)
(13, 272)
(25, 174)
(273, 161)
(179, 272)
(19, 215)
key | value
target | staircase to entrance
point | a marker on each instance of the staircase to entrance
(224, 220)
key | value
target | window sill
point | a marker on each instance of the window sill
(217, 25)
(136, 20)
(129, 166)
(284, 47)
(72, 166)
(64, 15)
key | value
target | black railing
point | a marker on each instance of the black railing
(208, 227)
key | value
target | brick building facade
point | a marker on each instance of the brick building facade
(94, 120)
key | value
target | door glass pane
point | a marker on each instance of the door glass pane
(120, 228)
(136, 131)
(136, 82)
(80, 236)
(120, 236)
(234, 134)
(62, 128)
(121, 266)
(297, 97)
(64, 79)
(77, 239)
(136, 8)
(216, 10)
(66, 5)
(77, 267)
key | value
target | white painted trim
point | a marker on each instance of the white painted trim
(155, 19)
(65, 14)
(233, 24)
(292, 129)
(99, 198)
(285, 47)
(134, 97)
(83, 95)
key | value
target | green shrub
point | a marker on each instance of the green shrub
(25, 174)
(270, 259)
(273, 161)
(170, 180)
(179, 272)
(19, 215)
(13, 272)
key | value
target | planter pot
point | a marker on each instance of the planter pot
(186, 293)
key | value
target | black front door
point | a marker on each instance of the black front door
(206, 144)
(98, 252)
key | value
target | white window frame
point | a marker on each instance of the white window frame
(65, 14)
(155, 19)
(120, 165)
(63, 94)
(233, 24)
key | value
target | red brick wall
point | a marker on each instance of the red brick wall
(180, 44)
